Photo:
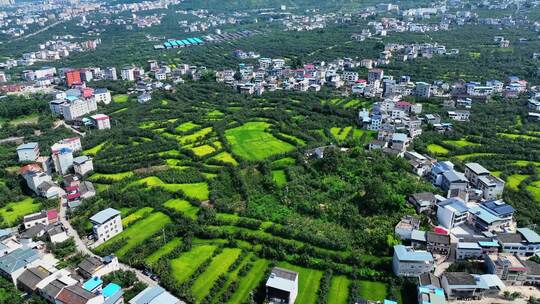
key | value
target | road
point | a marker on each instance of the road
(82, 247)
(36, 32)
(59, 123)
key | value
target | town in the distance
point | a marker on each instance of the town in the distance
(279, 152)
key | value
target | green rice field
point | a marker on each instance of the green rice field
(252, 142)
(12, 212)
(182, 206)
(186, 264)
(339, 290)
(308, 284)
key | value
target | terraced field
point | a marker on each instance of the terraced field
(437, 149)
(14, 211)
(185, 265)
(339, 290)
(251, 141)
(308, 283)
(137, 233)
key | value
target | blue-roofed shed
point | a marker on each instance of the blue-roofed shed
(92, 284)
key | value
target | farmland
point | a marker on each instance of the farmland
(252, 142)
(217, 196)
(16, 210)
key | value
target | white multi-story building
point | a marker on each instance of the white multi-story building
(408, 262)
(473, 171)
(452, 213)
(107, 223)
(101, 121)
(3, 77)
(423, 90)
(350, 76)
(282, 286)
(74, 143)
(62, 159)
(128, 74)
(75, 109)
(28, 152)
(525, 242)
(102, 96)
(83, 165)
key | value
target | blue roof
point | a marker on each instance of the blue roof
(17, 259)
(484, 214)
(100, 90)
(30, 145)
(488, 244)
(389, 302)
(92, 284)
(186, 42)
(173, 43)
(529, 235)
(499, 207)
(110, 290)
(456, 204)
(198, 40)
(399, 137)
(179, 42)
(410, 255)
(192, 40)
(104, 215)
(167, 44)
(154, 295)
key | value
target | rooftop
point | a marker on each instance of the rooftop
(529, 235)
(477, 168)
(408, 254)
(459, 278)
(104, 215)
(30, 145)
(154, 295)
(282, 279)
(18, 259)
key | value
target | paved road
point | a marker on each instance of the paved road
(81, 246)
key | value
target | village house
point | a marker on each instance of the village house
(83, 165)
(408, 262)
(101, 121)
(508, 267)
(28, 152)
(492, 216)
(155, 295)
(405, 227)
(452, 213)
(106, 224)
(282, 286)
(91, 267)
(525, 242)
(461, 285)
(423, 202)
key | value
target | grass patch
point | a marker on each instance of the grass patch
(139, 232)
(513, 181)
(358, 133)
(187, 126)
(249, 282)
(339, 290)
(279, 177)
(135, 216)
(374, 291)
(198, 191)
(94, 150)
(182, 206)
(195, 136)
(461, 143)
(297, 140)
(120, 98)
(203, 150)
(25, 120)
(479, 154)
(185, 265)
(12, 212)
(283, 162)
(525, 163)
(340, 134)
(226, 157)
(517, 136)
(219, 265)
(308, 284)
(113, 176)
(163, 250)
(534, 189)
(252, 142)
(437, 149)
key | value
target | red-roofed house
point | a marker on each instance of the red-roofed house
(77, 295)
(87, 92)
(404, 106)
(101, 121)
(30, 167)
(52, 215)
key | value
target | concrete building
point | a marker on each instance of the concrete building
(423, 90)
(461, 285)
(452, 213)
(155, 295)
(101, 121)
(525, 242)
(405, 227)
(83, 165)
(473, 171)
(492, 216)
(77, 295)
(28, 152)
(12, 265)
(128, 74)
(454, 180)
(63, 160)
(282, 286)
(508, 267)
(423, 202)
(411, 263)
(91, 267)
(106, 224)
(491, 186)
(375, 75)
(102, 96)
